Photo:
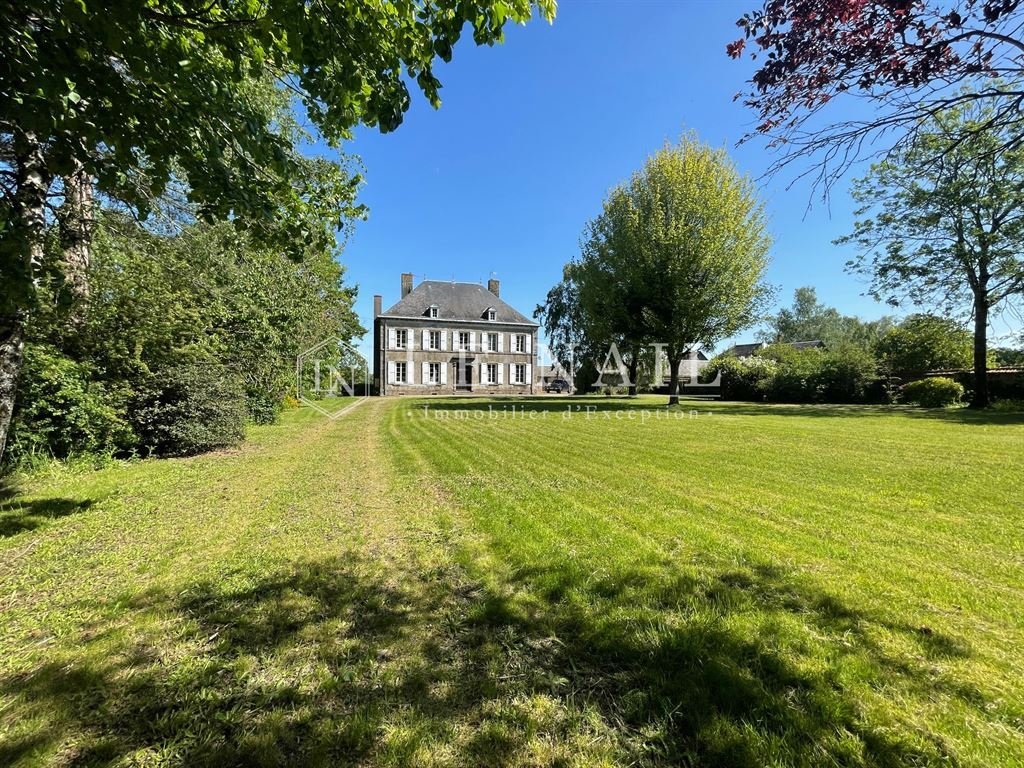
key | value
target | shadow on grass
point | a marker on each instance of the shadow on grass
(20, 515)
(330, 663)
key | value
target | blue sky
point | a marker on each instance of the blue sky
(532, 134)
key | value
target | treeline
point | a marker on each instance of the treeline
(185, 336)
(858, 362)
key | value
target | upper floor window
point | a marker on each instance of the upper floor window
(520, 342)
(491, 314)
(464, 340)
(433, 310)
(434, 340)
(492, 342)
(401, 338)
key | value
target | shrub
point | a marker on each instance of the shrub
(264, 408)
(61, 412)
(846, 375)
(189, 409)
(796, 373)
(936, 392)
(741, 379)
(1008, 406)
(782, 374)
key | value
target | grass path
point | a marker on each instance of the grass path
(458, 586)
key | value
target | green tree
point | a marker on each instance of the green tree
(123, 96)
(571, 340)
(810, 320)
(941, 223)
(694, 233)
(922, 343)
(612, 290)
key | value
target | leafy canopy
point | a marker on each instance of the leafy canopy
(906, 58)
(138, 91)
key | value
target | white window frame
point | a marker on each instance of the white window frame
(401, 372)
(492, 315)
(433, 312)
(434, 340)
(468, 345)
(521, 342)
(519, 374)
(492, 368)
(492, 342)
(434, 373)
(401, 338)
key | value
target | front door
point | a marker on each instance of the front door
(464, 375)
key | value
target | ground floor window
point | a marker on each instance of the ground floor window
(400, 374)
(434, 371)
(492, 373)
(520, 373)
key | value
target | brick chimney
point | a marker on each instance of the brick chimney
(377, 299)
(406, 284)
(493, 286)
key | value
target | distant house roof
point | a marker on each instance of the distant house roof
(456, 301)
(746, 350)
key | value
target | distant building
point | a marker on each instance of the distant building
(447, 338)
(743, 351)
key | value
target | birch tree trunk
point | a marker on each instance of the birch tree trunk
(21, 253)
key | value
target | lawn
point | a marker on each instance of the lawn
(528, 582)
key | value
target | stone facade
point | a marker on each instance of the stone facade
(448, 338)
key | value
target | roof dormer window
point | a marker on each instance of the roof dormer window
(433, 310)
(491, 314)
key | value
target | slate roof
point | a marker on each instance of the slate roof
(746, 350)
(455, 301)
(743, 350)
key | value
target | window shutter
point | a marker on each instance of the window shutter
(501, 342)
(391, 338)
(529, 343)
(501, 373)
(483, 373)
(529, 374)
(444, 372)
(425, 373)
(426, 340)
(472, 341)
(391, 370)
(444, 341)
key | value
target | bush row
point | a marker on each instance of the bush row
(782, 374)
(847, 374)
(65, 411)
